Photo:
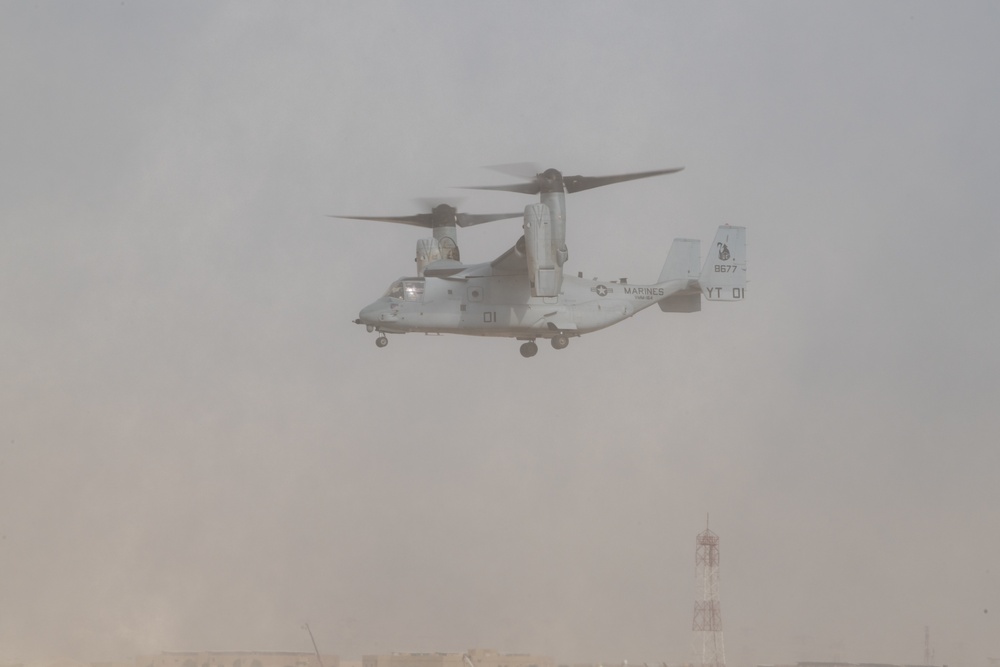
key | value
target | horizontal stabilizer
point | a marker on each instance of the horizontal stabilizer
(681, 303)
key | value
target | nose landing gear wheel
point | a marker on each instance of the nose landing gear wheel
(560, 342)
(529, 349)
(382, 341)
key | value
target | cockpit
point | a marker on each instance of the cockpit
(407, 289)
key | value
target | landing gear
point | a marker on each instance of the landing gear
(529, 349)
(560, 342)
(382, 341)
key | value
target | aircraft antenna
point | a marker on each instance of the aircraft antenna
(709, 650)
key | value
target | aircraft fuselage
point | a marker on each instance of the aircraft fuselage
(502, 305)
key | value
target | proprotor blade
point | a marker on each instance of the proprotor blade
(524, 170)
(419, 220)
(578, 183)
(525, 188)
(441, 215)
(469, 219)
(551, 180)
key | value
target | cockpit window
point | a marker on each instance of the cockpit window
(407, 290)
(413, 290)
(395, 290)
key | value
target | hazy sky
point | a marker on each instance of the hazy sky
(200, 451)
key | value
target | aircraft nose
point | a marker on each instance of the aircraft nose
(370, 314)
(376, 313)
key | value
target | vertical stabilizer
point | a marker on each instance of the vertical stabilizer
(683, 263)
(724, 275)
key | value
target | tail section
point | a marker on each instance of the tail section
(683, 263)
(724, 275)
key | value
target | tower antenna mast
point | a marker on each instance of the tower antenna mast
(709, 649)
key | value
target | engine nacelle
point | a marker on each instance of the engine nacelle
(428, 250)
(544, 267)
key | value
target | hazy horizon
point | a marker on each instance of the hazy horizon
(201, 451)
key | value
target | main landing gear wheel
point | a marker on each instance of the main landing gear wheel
(382, 341)
(560, 342)
(529, 349)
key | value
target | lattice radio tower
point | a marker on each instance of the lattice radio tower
(708, 646)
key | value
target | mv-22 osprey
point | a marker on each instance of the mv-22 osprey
(524, 293)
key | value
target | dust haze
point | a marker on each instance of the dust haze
(200, 451)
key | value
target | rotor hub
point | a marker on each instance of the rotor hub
(550, 180)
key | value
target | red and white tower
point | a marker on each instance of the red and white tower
(709, 650)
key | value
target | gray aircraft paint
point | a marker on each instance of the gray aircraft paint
(523, 293)
(495, 298)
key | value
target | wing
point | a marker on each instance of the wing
(445, 268)
(514, 262)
